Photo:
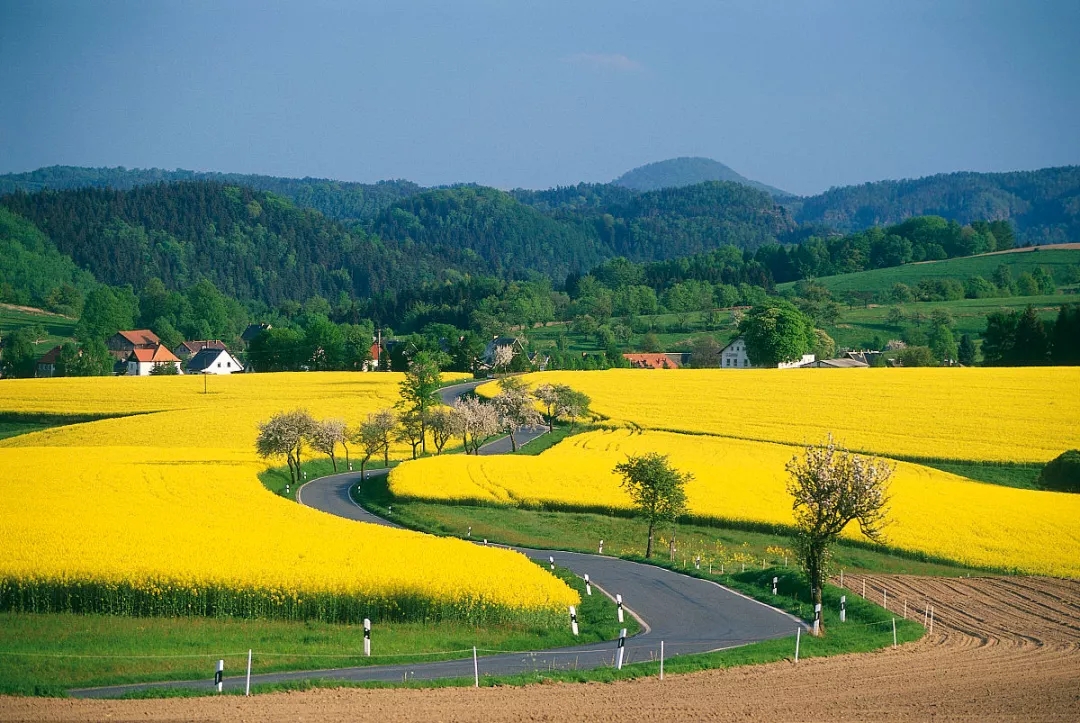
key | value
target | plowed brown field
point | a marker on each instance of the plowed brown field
(1002, 649)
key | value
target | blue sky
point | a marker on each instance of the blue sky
(802, 96)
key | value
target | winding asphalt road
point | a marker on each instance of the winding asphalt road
(689, 615)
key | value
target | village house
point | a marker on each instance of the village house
(734, 356)
(46, 365)
(211, 360)
(500, 351)
(253, 331)
(141, 361)
(842, 363)
(188, 349)
(122, 343)
(656, 360)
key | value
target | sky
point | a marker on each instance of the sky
(800, 95)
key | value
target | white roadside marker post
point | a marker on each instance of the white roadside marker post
(661, 660)
(774, 581)
(367, 637)
(817, 619)
(219, 675)
(588, 585)
(763, 563)
(247, 683)
(618, 605)
(551, 560)
(798, 636)
(475, 669)
(884, 598)
(469, 533)
(894, 632)
(843, 608)
(697, 562)
(601, 551)
(573, 620)
(622, 649)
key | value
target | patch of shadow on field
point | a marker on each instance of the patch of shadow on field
(15, 424)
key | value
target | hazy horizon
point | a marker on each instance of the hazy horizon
(799, 98)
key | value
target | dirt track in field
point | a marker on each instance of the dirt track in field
(1002, 649)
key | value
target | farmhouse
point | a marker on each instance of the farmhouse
(188, 349)
(843, 363)
(655, 361)
(122, 343)
(142, 361)
(46, 365)
(253, 331)
(500, 351)
(734, 356)
(214, 361)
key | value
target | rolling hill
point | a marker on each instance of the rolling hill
(686, 171)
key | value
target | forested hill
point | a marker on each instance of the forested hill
(572, 229)
(250, 244)
(1043, 205)
(678, 172)
(340, 200)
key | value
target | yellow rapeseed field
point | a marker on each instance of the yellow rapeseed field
(162, 513)
(995, 414)
(931, 511)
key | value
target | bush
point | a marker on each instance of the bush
(1062, 474)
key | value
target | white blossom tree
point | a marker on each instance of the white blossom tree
(833, 488)
(440, 423)
(326, 435)
(475, 422)
(374, 435)
(284, 435)
(514, 406)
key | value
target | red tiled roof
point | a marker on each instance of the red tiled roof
(156, 354)
(652, 361)
(140, 337)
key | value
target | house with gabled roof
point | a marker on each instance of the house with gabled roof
(122, 343)
(186, 350)
(214, 361)
(141, 361)
(654, 361)
(735, 356)
(46, 365)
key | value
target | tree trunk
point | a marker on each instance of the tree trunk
(648, 545)
(814, 573)
(333, 461)
(386, 455)
(348, 462)
(363, 466)
(513, 441)
(423, 433)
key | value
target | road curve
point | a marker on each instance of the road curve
(688, 614)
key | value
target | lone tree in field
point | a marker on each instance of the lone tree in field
(420, 390)
(833, 488)
(776, 332)
(572, 404)
(374, 436)
(548, 395)
(326, 435)
(514, 405)
(283, 435)
(655, 487)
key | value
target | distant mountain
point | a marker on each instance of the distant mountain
(1043, 205)
(678, 172)
(341, 200)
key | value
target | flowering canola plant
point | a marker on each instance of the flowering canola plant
(1023, 414)
(162, 513)
(932, 512)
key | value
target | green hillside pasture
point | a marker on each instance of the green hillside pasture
(58, 329)
(881, 280)
(857, 327)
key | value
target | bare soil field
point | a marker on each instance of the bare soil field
(1002, 649)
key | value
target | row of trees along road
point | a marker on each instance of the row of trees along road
(831, 488)
(417, 417)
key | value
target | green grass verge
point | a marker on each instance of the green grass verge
(1018, 474)
(868, 628)
(46, 654)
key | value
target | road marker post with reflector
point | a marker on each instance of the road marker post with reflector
(573, 620)
(247, 683)
(367, 637)
(774, 581)
(588, 585)
(843, 608)
(618, 605)
(551, 560)
(219, 675)
(817, 618)
(622, 649)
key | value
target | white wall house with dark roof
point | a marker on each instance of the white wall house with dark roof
(214, 361)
